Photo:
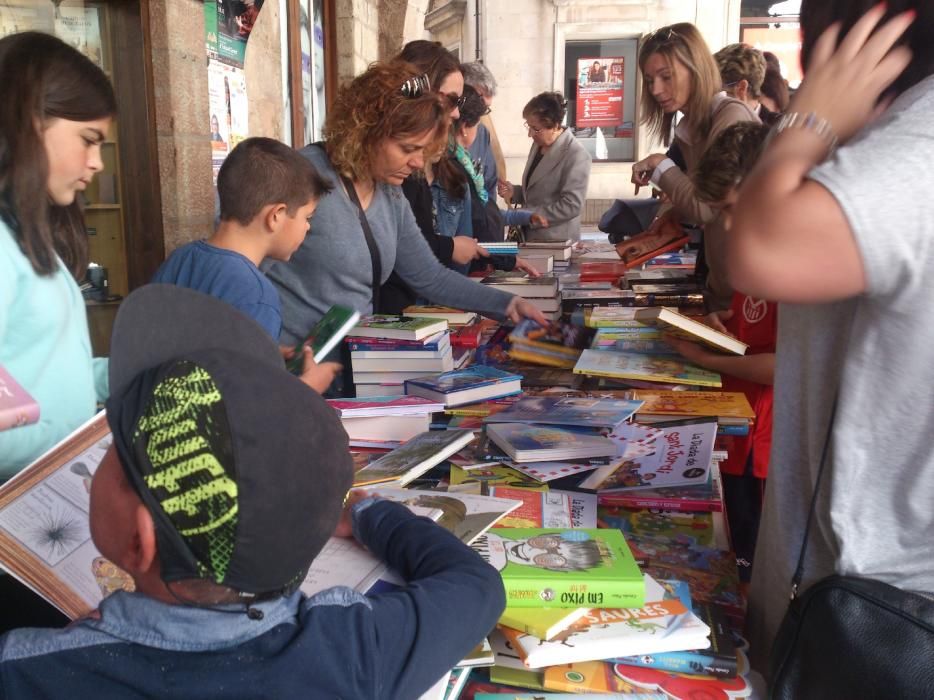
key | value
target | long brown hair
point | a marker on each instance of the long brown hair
(682, 42)
(373, 107)
(44, 78)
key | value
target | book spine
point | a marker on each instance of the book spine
(681, 505)
(356, 346)
(684, 662)
(738, 430)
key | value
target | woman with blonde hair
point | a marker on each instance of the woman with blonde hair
(680, 75)
(382, 128)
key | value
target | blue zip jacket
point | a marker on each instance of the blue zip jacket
(336, 644)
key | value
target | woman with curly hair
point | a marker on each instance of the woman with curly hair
(382, 128)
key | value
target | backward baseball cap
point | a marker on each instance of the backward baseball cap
(242, 466)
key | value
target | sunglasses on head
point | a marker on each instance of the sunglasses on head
(416, 86)
(663, 35)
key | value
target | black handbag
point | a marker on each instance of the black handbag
(852, 638)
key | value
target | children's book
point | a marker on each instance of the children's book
(45, 540)
(679, 686)
(466, 516)
(653, 368)
(544, 623)
(414, 458)
(696, 528)
(593, 676)
(432, 346)
(535, 443)
(538, 508)
(690, 329)
(475, 383)
(702, 497)
(659, 455)
(564, 568)
(399, 327)
(613, 317)
(17, 407)
(722, 404)
(397, 405)
(552, 471)
(609, 338)
(558, 345)
(482, 479)
(457, 682)
(325, 336)
(521, 678)
(665, 624)
(451, 315)
(467, 336)
(558, 410)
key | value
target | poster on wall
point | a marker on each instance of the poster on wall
(599, 92)
(17, 18)
(80, 27)
(232, 27)
(229, 110)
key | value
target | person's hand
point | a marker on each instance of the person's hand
(505, 190)
(642, 171)
(318, 377)
(527, 268)
(345, 524)
(539, 221)
(843, 83)
(520, 308)
(715, 320)
(467, 249)
(692, 352)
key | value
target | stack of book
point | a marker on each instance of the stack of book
(387, 350)
(501, 247)
(541, 291)
(384, 421)
(538, 252)
(463, 386)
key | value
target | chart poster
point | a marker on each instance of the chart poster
(229, 110)
(599, 92)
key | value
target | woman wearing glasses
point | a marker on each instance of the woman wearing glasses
(382, 128)
(554, 183)
(680, 75)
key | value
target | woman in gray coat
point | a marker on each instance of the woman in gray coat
(554, 183)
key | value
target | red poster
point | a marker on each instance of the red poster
(599, 91)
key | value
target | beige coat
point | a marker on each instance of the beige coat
(557, 189)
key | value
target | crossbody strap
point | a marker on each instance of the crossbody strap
(375, 260)
(799, 570)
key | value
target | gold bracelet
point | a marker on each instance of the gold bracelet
(810, 122)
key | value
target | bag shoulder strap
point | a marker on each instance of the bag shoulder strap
(375, 260)
(799, 570)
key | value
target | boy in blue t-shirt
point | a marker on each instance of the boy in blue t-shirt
(267, 194)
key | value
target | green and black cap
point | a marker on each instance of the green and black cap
(243, 467)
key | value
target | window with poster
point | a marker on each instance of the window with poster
(311, 67)
(600, 86)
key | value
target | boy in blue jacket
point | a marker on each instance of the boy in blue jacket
(225, 479)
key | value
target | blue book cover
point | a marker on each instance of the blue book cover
(572, 411)
(461, 379)
(532, 438)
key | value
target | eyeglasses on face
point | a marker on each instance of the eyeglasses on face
(532, 128)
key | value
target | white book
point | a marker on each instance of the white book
(397, 428)
(444, 363)
(532, 443)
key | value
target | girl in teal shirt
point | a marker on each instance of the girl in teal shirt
(57, 107)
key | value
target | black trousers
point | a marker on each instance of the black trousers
(742, 498)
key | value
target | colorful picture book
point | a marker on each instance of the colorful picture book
(414, 458)
(722, 404)
(449, 314)
(621, 365)
(17, 407)
(399, 327)
(45, 540)
(535, 443)
(466, 516)
(475, 383)
(703, 497)
(325, 336)
(539, 508)
(594, 677)
(690, 329)
(552, 410)
(564, 568)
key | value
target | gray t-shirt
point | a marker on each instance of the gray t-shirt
(876, 509)
(333, 266)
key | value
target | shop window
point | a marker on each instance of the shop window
(600, 86)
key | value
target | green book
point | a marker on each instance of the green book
(398, 327)
(564, 567)
(326, 334)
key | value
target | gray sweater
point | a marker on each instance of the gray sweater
(333, 266)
